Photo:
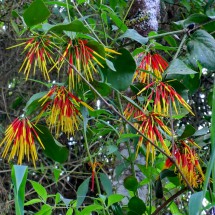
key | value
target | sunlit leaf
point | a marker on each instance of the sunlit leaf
(36, 13)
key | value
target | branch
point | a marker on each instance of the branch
(168, 201)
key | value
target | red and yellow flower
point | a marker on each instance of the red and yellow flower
(152, 126)
(160, 97)
(188, 162)
(82, 55)
(20, 137)
(150, 68)
(39, 52)
(62, 110)
(94, 165)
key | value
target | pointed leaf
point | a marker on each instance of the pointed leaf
(53, 149)
(19, 177)
(87, 210)
(188, 131)
(134, 35)
(33, 201)
(122, 78)
(194, 18)
(201, 49)
(194, 206)
(41, 191)
(74, 26)
(177, 66)
(106, 183)
(82, 192)
(36, 13)
(33, 103)
(69, 212)
(114, 198)
(45, 210)
(65, 201)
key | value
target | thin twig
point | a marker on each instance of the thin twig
(5, 105)
(168, 201)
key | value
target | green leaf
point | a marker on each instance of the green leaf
(32, 201)
(134, 35)
(122, 78)
(194, 18)
(167, 173)
(195, 203)
(111, 149)
(65, 201)
(150, 172)
(210, 98)
(110, 126)
(36, 13)
(57, 198)
(74, 26)
(188, 131)
(82, 191)
(41, 191)
(60, 4)
(131, 183)
(136, 205)
(45, 210)
(201, 132)
(177, 66)
(114, 198)
(125, 137)
(56, 173)
(170, 40)
(174, 209)
(69, 212)
(17, 102)
(103, 88)
(106, 183)
(114, 17)
(33, 103)
(19, 177)
(201, 48)
(87, 210)
(53, 149)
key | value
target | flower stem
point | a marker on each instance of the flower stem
(180, 46)
(126, 142)
(67, 8)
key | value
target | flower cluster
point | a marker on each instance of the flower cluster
(150, 68)
(62, 108)
(188, 162)
(160, 97)
(39, 50)
(21, 136)
(151, 126)
(81, 54)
